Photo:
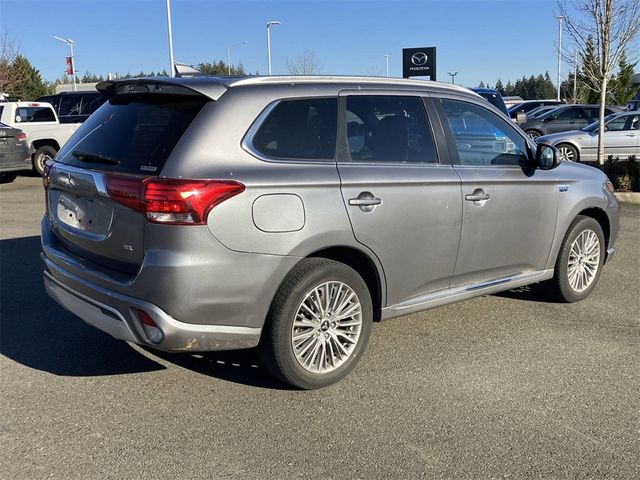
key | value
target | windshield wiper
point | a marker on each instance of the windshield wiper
(94, 158)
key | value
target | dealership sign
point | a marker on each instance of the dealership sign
(419, 62)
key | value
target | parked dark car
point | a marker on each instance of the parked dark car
(563, 119)
(14, 153)
(74, 107)
(493, 97)
(528, 105)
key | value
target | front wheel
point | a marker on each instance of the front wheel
(318, 325)
(42, 155)
(533, 134)
(580, 261)
(567, 152)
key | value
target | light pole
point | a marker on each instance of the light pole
(453, 76)
(71, 44)
(386, 64)
(575, 77)
(229, 55)
(269, 25)
(560, 19)
(171, 67)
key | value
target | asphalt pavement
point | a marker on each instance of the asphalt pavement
(507, 386)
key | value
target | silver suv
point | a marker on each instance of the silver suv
(288, 213)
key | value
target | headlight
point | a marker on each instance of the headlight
(609, 187)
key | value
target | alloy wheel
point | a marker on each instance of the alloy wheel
(326, 327)
(566, 153)
(584, 261)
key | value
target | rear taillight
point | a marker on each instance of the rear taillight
(171, 201)
(21, 137)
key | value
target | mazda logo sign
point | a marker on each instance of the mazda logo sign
(419, 58)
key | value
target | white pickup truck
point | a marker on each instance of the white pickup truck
(46, 135)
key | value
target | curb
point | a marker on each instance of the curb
(628, 197)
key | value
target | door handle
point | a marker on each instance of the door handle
(366, 201)
(631, 134)
(479, 197)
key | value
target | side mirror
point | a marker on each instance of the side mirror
(546, 157)
(521, 117)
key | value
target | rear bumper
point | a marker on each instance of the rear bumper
(15, 161)
(116, 315)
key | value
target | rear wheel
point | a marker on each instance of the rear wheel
(7, 177)
(533, 134)
(318, 325)
(580, 260)
(567, 152)
(42, 155)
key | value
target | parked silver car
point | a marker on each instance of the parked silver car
(621, 139)
(288, 213)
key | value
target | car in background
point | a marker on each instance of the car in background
(74, 107)
(528, 105)
(536, 112)
(633, 105)
(621, 139)
(493, 97)
(45, 134)
(14, 153)
(564, 119)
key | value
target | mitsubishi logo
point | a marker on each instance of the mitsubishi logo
(419, 58)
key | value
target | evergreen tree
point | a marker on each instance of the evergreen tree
(32, 86)
(500, 88)
(481, 84)
(589, 91)
(508, 89)
(622, 88)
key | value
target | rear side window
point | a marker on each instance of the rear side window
(299, 129)
(132, 133)
(70, 105)
(90, 103)
(389, 129)
(34, 114)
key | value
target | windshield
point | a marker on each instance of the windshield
(132, 133)
(592, 127)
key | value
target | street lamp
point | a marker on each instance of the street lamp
(386, 64)
(452, 75)
(171, 66)
(269, 25)
(71, 44)
(229, 55)
(560, 19)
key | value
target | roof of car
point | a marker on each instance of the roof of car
(215, 86)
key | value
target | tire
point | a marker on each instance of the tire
(568, 152)
(562, 287)
(277, 349)
(41, 156)
(7, 177)
(533, 134)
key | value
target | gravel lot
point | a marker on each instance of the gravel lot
(501, 386)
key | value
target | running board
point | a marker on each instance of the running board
(457, 294)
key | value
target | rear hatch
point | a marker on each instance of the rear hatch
(94, 186)
(13, 145)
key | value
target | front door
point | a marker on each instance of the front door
(620, 137)
(403, 204)
(509, 211)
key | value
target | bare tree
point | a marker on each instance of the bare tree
(305, 64)
(614, 25)
(9, 76)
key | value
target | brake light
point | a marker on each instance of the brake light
(171, 201)
(21, 137)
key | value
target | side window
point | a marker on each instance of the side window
(483, 138)
(619, 123)
(69, 105)
(34, 114)
(90, 104)
(389, 129)
(569, 114)
(299, 129)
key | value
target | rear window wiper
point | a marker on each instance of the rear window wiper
(94, 158)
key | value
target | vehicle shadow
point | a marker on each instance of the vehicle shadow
(38, 333)
(531, 293)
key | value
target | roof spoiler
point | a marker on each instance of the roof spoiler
(182, 71)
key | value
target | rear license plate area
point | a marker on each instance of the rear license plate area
(83, 214)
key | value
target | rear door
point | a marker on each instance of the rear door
(569, 118)
(509, 210)
(403, 204)
(130, 138)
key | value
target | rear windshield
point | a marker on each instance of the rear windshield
(495, 100)
(34, 114)
(132, 133)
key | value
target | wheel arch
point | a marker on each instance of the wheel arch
(46, 142)
(571, 144)
(602, 218)
(364, 265)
